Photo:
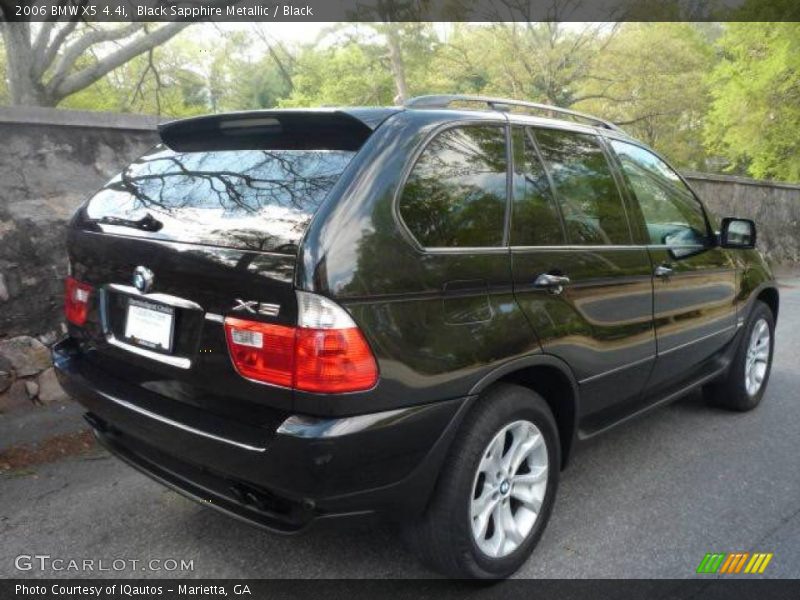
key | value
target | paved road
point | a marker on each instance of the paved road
(646, 500)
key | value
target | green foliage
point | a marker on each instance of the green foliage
(242, 78)
(542, 62)
(754, 119)
(355, 70)
(350, 74)
(651, 79)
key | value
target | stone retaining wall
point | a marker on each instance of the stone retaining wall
(50, 160)
(775, 207)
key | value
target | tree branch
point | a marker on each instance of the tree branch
(139, 89)
(284, 70)
(85, 77)
(43, 37)
(599, 96)
(649, 116)
(86, 41)
(44, 58)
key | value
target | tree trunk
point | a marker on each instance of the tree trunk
(22, 86)
(28, 62)
(397, 65)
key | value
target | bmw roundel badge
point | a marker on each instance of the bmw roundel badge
(143, 279)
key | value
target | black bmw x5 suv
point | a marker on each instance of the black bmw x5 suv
(295, 315)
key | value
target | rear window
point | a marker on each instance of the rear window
(585, 188)
(248, 199)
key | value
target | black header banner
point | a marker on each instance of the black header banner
(401, 10)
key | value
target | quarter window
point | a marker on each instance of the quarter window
(455, 195)
(535, 220)
(585, 188)
(671, 212)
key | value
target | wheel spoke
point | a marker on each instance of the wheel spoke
(517, 454)
(517, 440)
(492, 462)
(509, 525)
(480, 504)
(481, 514)
(499, 532)
(528, 497)
(536, 475)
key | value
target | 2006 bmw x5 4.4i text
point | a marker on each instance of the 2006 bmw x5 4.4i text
(418, 312)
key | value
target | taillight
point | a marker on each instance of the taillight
(261, 351)
(76, 300)
(330, 361)
(325, 353)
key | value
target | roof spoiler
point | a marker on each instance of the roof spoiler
(268, 130)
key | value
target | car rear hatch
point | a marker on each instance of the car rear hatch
(206, 225)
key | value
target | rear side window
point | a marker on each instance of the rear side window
(534, 220)
(585, 188)
(455, 195)
(671, 212)
(249, 199)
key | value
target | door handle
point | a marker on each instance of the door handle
(663, 271)
(552, 283)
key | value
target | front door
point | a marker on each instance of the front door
(694, 283)
(583, 284)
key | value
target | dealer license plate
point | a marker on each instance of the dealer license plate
(150, 325)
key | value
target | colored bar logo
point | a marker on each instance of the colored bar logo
(734, 563)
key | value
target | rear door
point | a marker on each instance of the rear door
(570, 221)
(694, 279)
(457, 313)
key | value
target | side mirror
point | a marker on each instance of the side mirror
(737, 233)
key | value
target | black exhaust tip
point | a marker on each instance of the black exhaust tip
(239, 494)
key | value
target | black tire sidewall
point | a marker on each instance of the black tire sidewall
(516, 404)
(742, 400)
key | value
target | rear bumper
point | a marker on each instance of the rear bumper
(284, 479)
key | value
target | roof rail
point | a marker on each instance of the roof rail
(504, 104)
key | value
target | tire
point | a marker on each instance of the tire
(732, 392)
(443, 538)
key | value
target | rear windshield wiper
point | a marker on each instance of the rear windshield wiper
(146, 223)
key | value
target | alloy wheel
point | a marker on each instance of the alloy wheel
(509, 489)
(757, 357)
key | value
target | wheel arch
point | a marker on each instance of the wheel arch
(553, 380)
(770, 297)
